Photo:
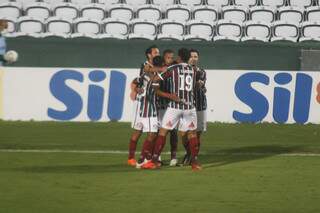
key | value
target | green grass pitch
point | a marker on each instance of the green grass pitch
(248, 168)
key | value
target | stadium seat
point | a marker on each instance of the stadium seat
(199, 31)
(149, 12)
(285, 31)
(300, 3)
(10, 10)
(310, 31)
(205, 13)
(93, 11)
(86, 26)
(121, 11)
(58, 27)
(234, 13)
(81, 2)
(217, 3)
(29, 26)
(143, 29)
(273, 3)
(38, 10)
(12, 27)
(114, 28)
(163, 4)
(313, 14)
(136, 3)
(228, 30)
(246, 3)
(256, 30)
(291, 14)
(262, 13)
(179, 13)
(66, 10)
(171, 30)
(191, 3)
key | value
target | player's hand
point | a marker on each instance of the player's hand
(200, 83)
(174, 97)
(140, 90)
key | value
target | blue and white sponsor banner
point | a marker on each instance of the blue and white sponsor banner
(78, 94)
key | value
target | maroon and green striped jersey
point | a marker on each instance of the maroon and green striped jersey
(181, 79)
(200, 93)
(148, 99)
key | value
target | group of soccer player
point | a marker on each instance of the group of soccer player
(170, 98)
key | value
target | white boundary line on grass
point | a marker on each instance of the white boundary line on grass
(166, 153)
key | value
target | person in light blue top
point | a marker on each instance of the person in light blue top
(3, 46)
(10, 56)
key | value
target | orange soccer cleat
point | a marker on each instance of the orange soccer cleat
(132, 162)
(196, 167)
(151, 165)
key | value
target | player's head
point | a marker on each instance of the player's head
(158, 61)
(152, 52)
(183, 55)
(194, 57)
(168, 56)
(3, 25)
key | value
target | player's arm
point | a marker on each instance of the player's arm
(170, 96)
(148, 68)
(135, 86)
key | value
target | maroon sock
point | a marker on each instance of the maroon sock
(158, 147)
(174, 144)
(132, 148)
(146, 152)
(194, 148)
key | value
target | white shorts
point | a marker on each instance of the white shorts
(187, 119)
(148, 124)
(136, 116)
(160, 115)
(202, 120)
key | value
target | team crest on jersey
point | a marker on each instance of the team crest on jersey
(169, 124)
(191, 125)
(139, 125)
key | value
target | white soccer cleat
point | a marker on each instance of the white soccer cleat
(173, 162)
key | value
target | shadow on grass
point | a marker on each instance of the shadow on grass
(236, 155)
(211, 159)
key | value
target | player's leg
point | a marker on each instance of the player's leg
(169, 122)
(133, 146)
(150, 126)
(187, 157)
(189, 125)
(201, 124)
(137, 126)
(194, 148)
(173, 147)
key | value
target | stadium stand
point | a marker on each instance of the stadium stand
(171, 19)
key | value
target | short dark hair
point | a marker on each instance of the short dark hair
(195, 51)
(167, 51)
(184, 54)
(157, 61)
(149, 50)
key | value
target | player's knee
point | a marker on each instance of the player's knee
(163, 132)
(136, 135)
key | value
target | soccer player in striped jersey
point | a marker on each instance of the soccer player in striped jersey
(181, 111)
(200, 101)
(138, 90)
(168, 57)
